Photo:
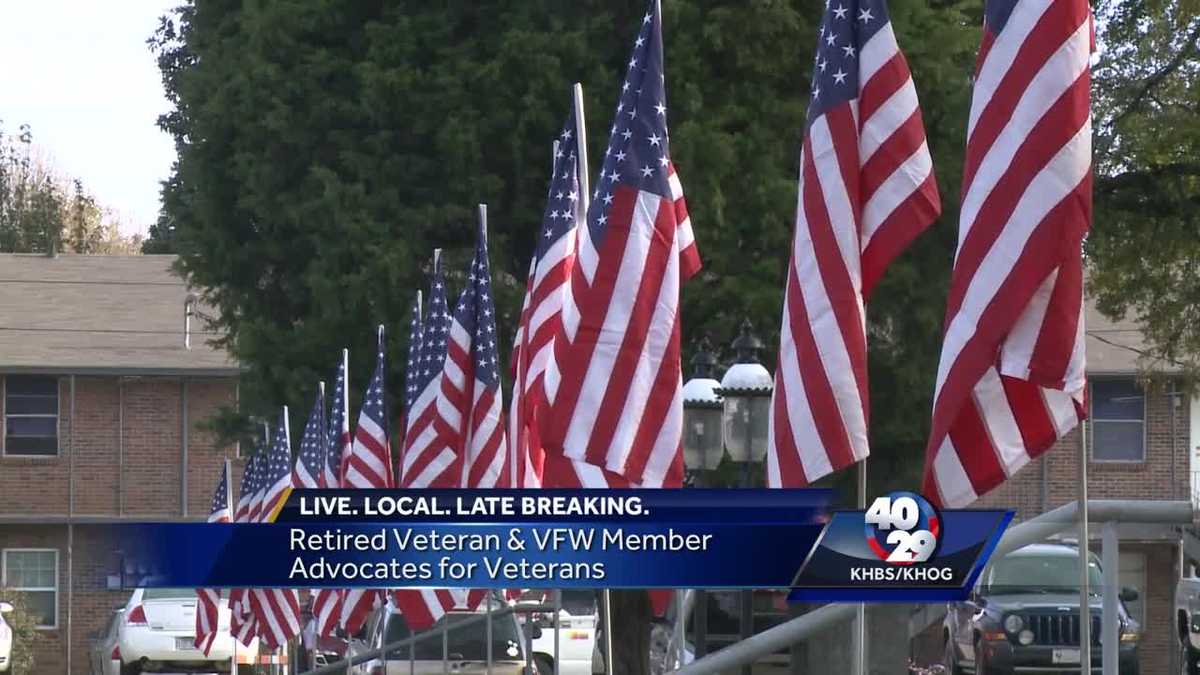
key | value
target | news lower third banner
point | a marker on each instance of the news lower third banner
(900, 549)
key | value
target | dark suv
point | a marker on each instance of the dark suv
(1023, 617)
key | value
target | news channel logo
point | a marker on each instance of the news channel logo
(902, 528)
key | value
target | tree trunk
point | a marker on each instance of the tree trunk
(631, 632)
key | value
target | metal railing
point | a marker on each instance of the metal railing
(443, 632)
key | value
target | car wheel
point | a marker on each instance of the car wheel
(543, 665)
(1189, 661)
(950, 659)
(981, 667)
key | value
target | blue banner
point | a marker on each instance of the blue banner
(693, 538)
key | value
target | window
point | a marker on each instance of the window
(30, 415)
(34, 573)
(1118, 421)
(1131, 573)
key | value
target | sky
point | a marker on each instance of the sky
(80, 74)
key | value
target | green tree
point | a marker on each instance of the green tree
(23, 623)
(40, 212)
(326, 146)
(1145, 242)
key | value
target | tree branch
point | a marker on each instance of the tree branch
(1155, 79)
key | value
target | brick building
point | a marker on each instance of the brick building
(1141, 443)
(102, 396)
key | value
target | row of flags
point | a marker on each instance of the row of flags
(1010, 380)
(596, 399)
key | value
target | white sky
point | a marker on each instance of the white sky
(80, 74)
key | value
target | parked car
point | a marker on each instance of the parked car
(104, 657)
(1024, 616)
(578, 653)
(466, 647)
(6, 638)
(157, 630)
(1187, 622)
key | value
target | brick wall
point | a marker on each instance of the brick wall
(149, 486)
(1150, 479)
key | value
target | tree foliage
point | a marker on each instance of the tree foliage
(1145, 242)
(23, 623)
(326, 147)
(40, 211)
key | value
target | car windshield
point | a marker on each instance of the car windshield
(174, 594)
(463, 644)
(579, 603)
(1040, 574)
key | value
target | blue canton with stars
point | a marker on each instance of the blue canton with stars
(373, 406)
(337, 418)
(847, 26)
(637, 154)
(562, 201)
(279, 460)
(476, 313)
(249, 484)
(435, 332)
(414, 354)
(312, 445)
(220, 500)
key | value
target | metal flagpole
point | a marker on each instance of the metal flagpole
(1085, 604)
(585, 198)
(585, 190)
(860, 612)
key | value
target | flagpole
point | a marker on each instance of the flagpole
(233, 669)
(860, 615)
(387, 418)
(585, 197)
(585, 190)
(1085, 604)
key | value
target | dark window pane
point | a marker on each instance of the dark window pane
(31, 384)
(17, 445)
(32, 426)
(1117, 400)
(42, 604)
(31, 405)
(1117, 441)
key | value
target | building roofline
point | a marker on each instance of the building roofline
(230, 371)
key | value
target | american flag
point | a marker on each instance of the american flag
(411, 371)
(277, 609)
(534, 366)
(242, 621)
(327, 602)
(425, 462)
(619, 407)
(208, 605)
(470, 405)
(310, 462)
(370, 464)
(866, 190)
(1011, 376)
(370, 467)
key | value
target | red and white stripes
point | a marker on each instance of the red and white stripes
(1011, 375)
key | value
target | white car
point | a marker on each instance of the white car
(6, 638)
(157, 630)
(466, 647)
(104, 657)
(578, 653)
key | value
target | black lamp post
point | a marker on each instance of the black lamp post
(702, 416)
(746, 388)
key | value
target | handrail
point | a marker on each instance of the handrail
(340, 664)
